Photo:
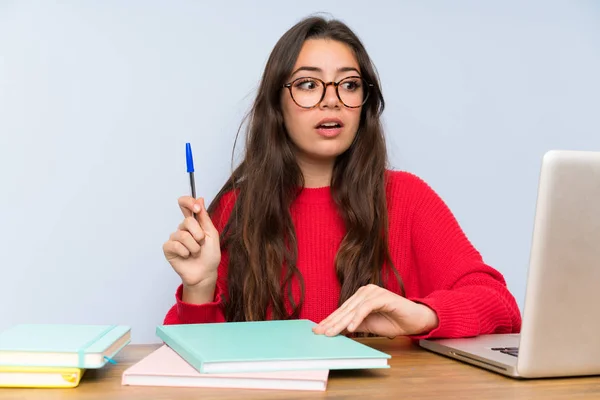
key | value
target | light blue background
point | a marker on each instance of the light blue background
(98, 98)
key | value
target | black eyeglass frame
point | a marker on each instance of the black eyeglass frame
(326, 85)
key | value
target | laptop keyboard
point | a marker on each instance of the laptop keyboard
(513, 351)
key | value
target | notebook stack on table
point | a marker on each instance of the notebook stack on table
(283, 355)
(56, 355)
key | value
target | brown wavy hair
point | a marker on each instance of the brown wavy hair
(259, 236)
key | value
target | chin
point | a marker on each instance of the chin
(323, 150)
(326, 154)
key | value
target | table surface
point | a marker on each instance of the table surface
(415, 373)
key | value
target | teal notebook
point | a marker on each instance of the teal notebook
(266, 346)
(62, 345)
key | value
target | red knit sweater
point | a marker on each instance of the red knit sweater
(437, 263)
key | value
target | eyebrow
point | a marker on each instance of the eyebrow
(316, 69)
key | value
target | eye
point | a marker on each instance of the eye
(351, 85)
(307, 84)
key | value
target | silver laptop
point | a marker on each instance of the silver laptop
(560, 334)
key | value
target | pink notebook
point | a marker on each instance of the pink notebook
(164, 367)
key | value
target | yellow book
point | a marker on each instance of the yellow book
(40, 377)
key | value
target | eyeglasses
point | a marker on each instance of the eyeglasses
(308, 92)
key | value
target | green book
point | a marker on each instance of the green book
(62, 345)
(266, 346)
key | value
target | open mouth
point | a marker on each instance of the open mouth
(329, 125)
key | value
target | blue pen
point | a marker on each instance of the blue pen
(190, 168)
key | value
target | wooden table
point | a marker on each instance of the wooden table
(414, 374)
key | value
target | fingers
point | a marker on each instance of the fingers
(320, 328)
(362, 311)
(186, 204)
(191, 225)
(339, 324)
(352, 312)
(174, 249)
(189, 206)
(344, 309)
(186, 239)
(205, 222)
(190, 236)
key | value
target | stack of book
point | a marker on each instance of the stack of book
(283, 355)
(56, 355)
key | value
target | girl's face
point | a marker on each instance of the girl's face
(325, 131)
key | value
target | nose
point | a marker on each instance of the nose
(330, 100)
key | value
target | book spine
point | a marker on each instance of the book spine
(81, 351)
(184, 352)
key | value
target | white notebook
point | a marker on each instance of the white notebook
(62, 345)
(164, 367)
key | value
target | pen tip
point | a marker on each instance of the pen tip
(188, 158)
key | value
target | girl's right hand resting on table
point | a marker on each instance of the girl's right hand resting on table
(194, 252)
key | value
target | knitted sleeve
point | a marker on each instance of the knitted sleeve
(469, 297)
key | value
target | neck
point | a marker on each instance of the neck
(317, 173)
